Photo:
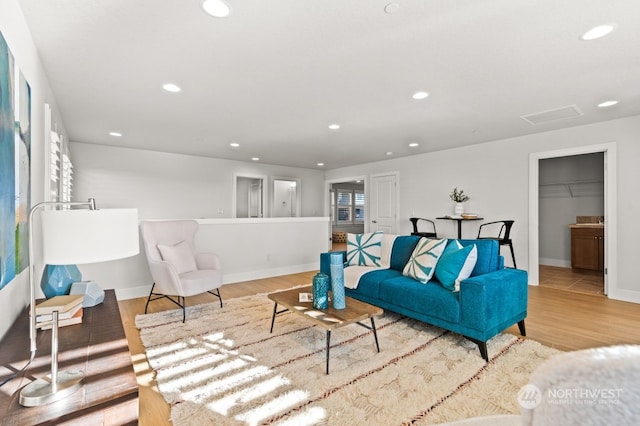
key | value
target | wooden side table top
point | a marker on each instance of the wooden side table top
(98, 346)
(330, 319)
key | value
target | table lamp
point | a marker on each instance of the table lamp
(73, 236)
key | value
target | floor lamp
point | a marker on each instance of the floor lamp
(73, 236)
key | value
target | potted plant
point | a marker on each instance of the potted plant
(459, 197)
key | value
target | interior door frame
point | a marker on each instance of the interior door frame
(610, 205)
(327, 196)
(396, 213)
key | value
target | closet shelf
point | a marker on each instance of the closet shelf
(576, 188)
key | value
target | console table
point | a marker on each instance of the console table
(98, 346)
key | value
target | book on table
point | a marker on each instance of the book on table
(69, 308)
(61, 315)
(59, 303)
(74, 319)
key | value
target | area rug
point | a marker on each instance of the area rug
(223, 367)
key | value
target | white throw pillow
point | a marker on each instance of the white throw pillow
(180, 256)
(423, 260)
(364, 249)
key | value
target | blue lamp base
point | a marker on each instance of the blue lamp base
(57, 279)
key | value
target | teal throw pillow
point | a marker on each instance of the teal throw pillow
(364, 249)
(422, 263)
(456, 264)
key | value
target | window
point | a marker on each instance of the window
(347, 206)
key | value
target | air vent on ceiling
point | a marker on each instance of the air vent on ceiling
(569, 111)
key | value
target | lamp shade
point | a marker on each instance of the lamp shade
(88, 236)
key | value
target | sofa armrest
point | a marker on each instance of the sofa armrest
(490, 299)
(325, 261)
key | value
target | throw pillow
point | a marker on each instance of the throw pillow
(364, 249)
(456, 264)
(422, 263)
(179, 255)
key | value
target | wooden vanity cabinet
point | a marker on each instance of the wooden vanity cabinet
(587, 248)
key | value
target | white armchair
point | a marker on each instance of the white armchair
(177, 269)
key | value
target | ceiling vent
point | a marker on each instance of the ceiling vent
(569, 111)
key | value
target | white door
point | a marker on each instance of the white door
(383, 203)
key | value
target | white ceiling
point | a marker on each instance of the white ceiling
(274, 74)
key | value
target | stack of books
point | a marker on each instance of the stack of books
(69, 309)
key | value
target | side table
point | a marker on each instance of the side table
(98, 346)
(459, 219)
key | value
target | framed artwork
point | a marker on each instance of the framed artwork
(15, 165)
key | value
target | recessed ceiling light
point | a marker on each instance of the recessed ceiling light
(334, 126)
(216, 8)
(320, 164)
(420, 95)
(607, 104)
(170, 87)
(389, 153)
(392, 8)
(234, 144)
(255, 158)
(414, 144)
(597, 32)
(115, 134)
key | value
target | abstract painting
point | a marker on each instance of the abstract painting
(15, 153)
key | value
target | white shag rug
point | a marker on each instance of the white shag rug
(223, 367)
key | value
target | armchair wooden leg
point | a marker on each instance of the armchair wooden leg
(184, 308)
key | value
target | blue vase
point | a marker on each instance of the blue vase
(57, 279)
(336, 266)
(321, 291)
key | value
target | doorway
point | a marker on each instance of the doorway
(248, 196)
(610, 201)
(346, 206)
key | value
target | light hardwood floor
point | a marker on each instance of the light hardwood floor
(556, 317)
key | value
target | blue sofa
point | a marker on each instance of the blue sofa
(492, 299)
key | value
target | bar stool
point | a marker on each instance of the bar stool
(502, 236)
(415, 222)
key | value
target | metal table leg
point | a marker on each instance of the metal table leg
(328, 346)
(375, 334)
(273, 318)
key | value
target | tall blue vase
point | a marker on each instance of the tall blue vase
(336, 265)
(320, 291)
(57, 279)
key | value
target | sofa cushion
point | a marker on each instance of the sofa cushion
(456, 264)
(401, 253)
(422, 263)
(370, 282)
(364, 249)
(488, 256)
(430, 299)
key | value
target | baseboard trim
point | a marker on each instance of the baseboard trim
(143, 291)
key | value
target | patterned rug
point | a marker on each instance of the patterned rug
(223, 367)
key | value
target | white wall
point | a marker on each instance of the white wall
(495, 175)
(173, 186)
(15, 296)
(163, 185)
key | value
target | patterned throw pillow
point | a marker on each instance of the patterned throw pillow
(364, 249)
(456, 264)
(422, 263)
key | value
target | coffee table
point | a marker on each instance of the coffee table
(329, 319)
